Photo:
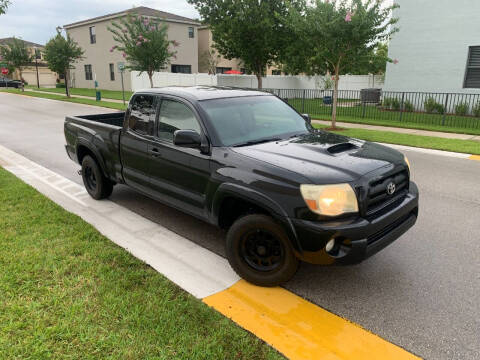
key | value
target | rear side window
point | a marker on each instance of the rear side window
(175, 116)
(142, 114)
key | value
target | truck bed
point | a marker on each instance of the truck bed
(102, 131)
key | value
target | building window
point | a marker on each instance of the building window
(88, 72)
(276, 72)
(184, 69)
(191, 32)
(112, 72)
(222, 70)
(472, 73)
(93, 37)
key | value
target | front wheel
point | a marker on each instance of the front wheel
(96, 184)
(259, 250)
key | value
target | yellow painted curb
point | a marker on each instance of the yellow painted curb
(475, 157)
(299, 329)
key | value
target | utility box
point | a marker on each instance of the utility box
(370, 95)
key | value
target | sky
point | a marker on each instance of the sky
(36, 20)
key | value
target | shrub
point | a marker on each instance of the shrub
(430, 105)
(408, 106)
(462, 108)
(387, 102)
(439, 108)
(476, 110)
(60, 85)
(391, 103)
(395, 104)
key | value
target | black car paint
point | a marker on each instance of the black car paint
(267, 175)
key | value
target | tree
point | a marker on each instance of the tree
(15, 54)
(335, 36)
(250, 30)
(3, 6)
(61, 54)
(144, 43)
(375, 63)
(210, 59)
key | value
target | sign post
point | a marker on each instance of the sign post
(121, 68)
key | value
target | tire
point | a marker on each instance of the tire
(96, 184)
(259, 251)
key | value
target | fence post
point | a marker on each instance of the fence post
(445, 110)
(401, 105)
(303, 101)
(364, 108)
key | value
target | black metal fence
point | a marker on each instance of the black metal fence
(455, 110)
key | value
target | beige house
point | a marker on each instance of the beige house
(208, 57)
(46, 77)
(93, 36)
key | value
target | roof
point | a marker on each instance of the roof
(200, 93)
(27, 43)
(140, 10)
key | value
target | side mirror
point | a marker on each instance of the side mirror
(187, 138)
(307, 118)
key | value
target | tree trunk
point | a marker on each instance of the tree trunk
(67, 92)
(150, 76)
(259, 80)
(335, 98)
(21, 79)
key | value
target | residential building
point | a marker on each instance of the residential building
(46, 77)
(437, 47)
(93, 36)
(206, 45)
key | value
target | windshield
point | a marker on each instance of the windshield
(252, 119)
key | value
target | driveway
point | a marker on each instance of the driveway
(421, 292)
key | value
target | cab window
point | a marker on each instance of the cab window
(142, 114)
(174, 116)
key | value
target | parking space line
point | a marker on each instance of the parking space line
(475, 157)
(299, 329)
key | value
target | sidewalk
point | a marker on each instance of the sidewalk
(76, 96)
(403, 130)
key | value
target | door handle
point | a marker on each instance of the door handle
(155, 152)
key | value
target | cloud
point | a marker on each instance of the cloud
(36, 20)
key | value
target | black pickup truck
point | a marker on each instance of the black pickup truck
(248, 162)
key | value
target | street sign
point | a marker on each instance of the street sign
(121, 66)
(4, 71)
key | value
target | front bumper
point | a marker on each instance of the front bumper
(357, 239)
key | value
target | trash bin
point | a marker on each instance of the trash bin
(370, 95)
(98, 95)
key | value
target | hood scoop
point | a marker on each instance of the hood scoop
(342, 147)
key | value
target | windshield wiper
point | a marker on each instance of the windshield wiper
(255, 142)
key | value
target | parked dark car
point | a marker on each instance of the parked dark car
(6, 82)
(249, 163)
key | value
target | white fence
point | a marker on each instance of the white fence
(161, 79)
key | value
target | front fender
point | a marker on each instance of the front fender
(259, 199)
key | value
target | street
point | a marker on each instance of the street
(420, 293)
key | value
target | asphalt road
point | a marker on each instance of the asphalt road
(422, 292)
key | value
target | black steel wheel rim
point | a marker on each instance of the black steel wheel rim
(262, 250)
(90, 179)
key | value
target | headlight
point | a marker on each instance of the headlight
(330, 200)
(408, 163)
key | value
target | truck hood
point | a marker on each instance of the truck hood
(323, 157)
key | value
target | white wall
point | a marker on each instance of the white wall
(347, 82)
(432, 45)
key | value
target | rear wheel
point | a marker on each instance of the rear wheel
(259, 250)
(96, 184)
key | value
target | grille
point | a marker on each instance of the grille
(379, 199)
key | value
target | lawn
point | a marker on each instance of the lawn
(430, 142)
(67, 292)
(373, 115)
(107, 94)
(107, 104)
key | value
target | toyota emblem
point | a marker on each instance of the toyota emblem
(391, 188)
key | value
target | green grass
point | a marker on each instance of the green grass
(67, 292)
(107, 104)
(376, 116)
(107, 94)
(429, 142)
